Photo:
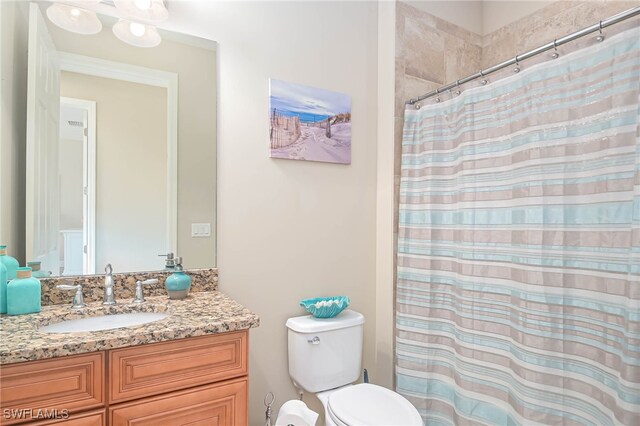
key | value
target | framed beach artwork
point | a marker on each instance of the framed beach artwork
(310, 124)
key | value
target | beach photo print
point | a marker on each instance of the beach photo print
(306, 123)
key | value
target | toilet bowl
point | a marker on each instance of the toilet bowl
(367, 404)
(325, 358)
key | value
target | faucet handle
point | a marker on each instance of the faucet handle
(78, 298)
(139, 293)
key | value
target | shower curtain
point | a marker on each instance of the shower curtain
(518, 287)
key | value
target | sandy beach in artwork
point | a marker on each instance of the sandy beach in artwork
(314, 145)
(309, 124)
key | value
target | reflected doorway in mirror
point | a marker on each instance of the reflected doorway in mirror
(77, 171)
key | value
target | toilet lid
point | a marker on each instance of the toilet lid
(367, 404)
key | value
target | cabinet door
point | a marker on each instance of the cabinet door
(148, 370)
(212, 405)
(73, 383)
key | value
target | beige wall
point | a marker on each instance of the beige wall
(196, 69)
(385, 209)
(13, 65)
(131, 171)
(291, 229)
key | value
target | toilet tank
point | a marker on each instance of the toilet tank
(325, 353)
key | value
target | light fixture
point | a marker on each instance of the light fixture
(148, 11)
(74, 19)
(136, 33)
(135, 27)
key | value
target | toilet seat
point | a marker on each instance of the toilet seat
(371, 405)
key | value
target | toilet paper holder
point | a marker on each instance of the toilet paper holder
(269, 398)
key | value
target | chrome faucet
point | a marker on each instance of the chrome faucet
(78, 298)
(109, 298)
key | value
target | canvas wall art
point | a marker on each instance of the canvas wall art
(307, 123)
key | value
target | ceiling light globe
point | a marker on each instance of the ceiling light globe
(74, 19)
(147, 11)
(142, 4)
(137, 29)
(136, 33)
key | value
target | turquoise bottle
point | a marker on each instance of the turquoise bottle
(9, 262)
(3, 289)
(178, 284)
(23, 293)
(36, 272)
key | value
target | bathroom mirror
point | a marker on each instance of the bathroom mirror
(125, 170)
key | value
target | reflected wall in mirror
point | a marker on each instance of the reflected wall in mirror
(131, 164)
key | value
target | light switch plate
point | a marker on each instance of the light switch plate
(200, 230)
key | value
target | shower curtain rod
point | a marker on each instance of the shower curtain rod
(552, 45)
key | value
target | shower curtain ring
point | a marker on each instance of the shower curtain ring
(517, 67)
(438, 95)
(555, 54)
(484, 80)
(457, 92)
(600, 36)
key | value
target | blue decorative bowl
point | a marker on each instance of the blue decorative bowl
(325, 307)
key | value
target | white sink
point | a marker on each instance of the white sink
(104, 322)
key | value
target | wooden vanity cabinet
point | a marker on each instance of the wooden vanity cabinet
(195, 381)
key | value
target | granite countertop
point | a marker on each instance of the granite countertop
(201, 313)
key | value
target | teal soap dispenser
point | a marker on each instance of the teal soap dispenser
(178, 284)
(3, 289)
(23, 293)
(9, 262)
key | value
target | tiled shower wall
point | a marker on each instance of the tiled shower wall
(553, 21)
(431, 52)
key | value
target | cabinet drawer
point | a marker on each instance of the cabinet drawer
(220, 404)
(153, 369)
(72, 383)
(91, 418)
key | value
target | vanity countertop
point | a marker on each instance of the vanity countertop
(201, 313)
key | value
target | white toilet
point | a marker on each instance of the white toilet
(325, 358)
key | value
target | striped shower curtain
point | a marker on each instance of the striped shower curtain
(518, 287)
